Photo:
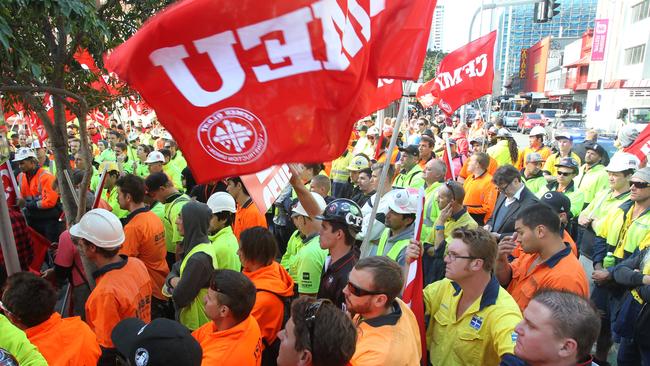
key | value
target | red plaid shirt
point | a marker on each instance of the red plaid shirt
(24, 244)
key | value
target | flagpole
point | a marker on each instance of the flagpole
(448, 149)
(7, 241)
(365, 245)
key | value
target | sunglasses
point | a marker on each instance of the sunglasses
(359, 292)
(640, 185)
(565, 174)
(311, 317)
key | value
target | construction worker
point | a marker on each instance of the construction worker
(248, 214)
(411, 174)
(505, 151)
(593, 177)
(223, 239)
(469, 304)
(565, 145)
(567, 170)
(532, 174)
(15, 344)
(39, 201)
(257, 252)
(340, 174)
(232, 336)
(357, 164)
(110, 191)
(156, 162)
(144, 238)
(480, 192)
(536, 140)
(399, 222)
(388, 332)
(161, 189)
(189, 278)
(123, 286)
(29, 301)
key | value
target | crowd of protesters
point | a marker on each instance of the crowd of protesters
(163, 271)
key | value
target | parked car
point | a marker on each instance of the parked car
(551, 115)
(510, 118)
(573, 124)
(530, 120)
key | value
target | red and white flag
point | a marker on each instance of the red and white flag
(270, 82)
(266, 186)
(412, 295)
(9, 183)
(641, 146)
(463, 76)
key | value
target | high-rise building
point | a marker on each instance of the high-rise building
(518, 31)
(435, 37)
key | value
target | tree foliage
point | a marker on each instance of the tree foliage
(431, 62)
(38, 39)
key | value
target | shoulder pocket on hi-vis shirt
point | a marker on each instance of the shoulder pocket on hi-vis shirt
(305, 276)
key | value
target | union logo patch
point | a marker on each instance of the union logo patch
(233, 136)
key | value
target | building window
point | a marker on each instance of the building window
(634, 55)
(641, 11)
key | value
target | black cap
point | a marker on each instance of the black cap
(344, 211)
(159, 343)
(410, 150)
(599, 149)
(155, 180)
(568, 162)
(558, 201)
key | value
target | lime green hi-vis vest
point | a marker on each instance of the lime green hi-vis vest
(193, 316)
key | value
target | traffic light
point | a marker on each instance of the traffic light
(552, 8)
(546, 10)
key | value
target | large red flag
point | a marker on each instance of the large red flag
(463, 76)
(270, 82)
(641, 146)
(412, 295)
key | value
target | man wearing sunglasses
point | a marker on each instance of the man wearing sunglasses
(388, 332)
(471, 318)
(317, 334)
(622, 232)
(567, 169)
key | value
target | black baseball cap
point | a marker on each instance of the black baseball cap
(598, 148)
(160, 343)
(410, 150)
(558, 201)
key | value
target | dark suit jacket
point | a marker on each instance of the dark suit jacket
(507, 226)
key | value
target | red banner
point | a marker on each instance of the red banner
(463, 76)
(641, 146)
(270, 82)
(265, 186)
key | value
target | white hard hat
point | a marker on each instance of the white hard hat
(167, 136)
(300, 211)
(373, 130)
(100, 227)
(537, 130)
(623, 161)
(24, 153)
(404, 201)
(155, 157)
(133, 136)
(222, 201)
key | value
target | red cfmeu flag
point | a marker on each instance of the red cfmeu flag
(641, 146)
(463, 76)
(271, 81)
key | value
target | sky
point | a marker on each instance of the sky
(458, 16)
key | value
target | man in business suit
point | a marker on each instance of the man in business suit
(513, 197)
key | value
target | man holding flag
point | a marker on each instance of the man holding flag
(469, 304)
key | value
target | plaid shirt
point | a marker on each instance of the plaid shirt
(24, 244)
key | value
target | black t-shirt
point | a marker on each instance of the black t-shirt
(203, 191)
(335, 278)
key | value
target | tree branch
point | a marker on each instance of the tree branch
(52, 90)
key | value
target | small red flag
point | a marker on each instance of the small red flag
(463, 76)
(8, 182)
(641, 146)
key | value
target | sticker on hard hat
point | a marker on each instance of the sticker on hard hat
(350, 219)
